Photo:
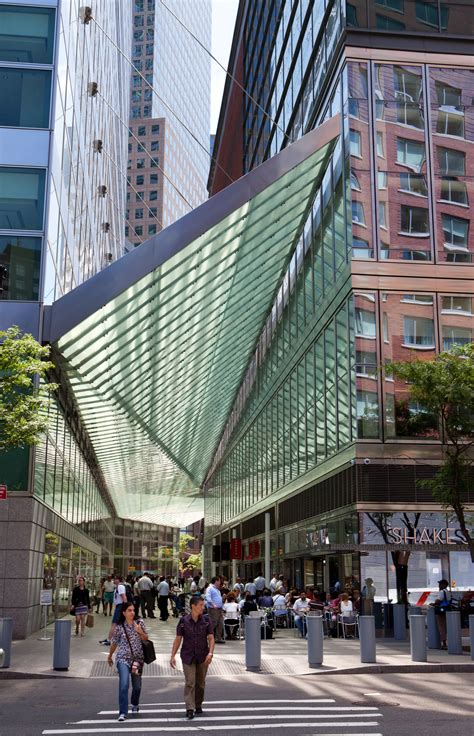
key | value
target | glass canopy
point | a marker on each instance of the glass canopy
(156, 345)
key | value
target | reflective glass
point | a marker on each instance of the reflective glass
(26, 34)
(20, 259)
(21, 198)
(28, 93)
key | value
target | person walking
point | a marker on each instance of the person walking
(109, 590)
(194, 634)
(81, 604)
(127, 641)
(214, 608)
(163, 592)
(145, 586)
(260, 584)
(120, 598)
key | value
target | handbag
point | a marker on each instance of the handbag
(148, 648)
(90, 621)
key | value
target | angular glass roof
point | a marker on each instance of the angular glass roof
(156, 345)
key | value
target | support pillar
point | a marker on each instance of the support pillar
(267, 573)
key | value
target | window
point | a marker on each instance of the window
(153, 211)
(153, 178)
(355, 182)
(136, 95)
(380, 148)
(155, 145)
(382, 179)
(138, 229)
(148, 95)
(417, 298)
(409, 114)
(21, 198)
(367, 414)
(410, 153)
(154, 163)
(140, 179)
(36, 44)
(415, 255)
(151, 229)
(451, 162)
(455, 336)
(414, 220)
(137, 49)
(365, 323)
(138, 35)
(354, 108)
(455, 231)
(150, 21)
(150, 34)
(384, 23)
(136, 112)
(20, 259)
(448, 96)
(28, 93)
(149, 78)
(140, 163)
(450, 122)
(458, 257)
(137, 81)
(366, 363)
(414, 184)
(391, 4)
(127, 231)
(147, 111)
(407, 84)
(360, 248)
(140, 147)
(382, 215)
(149, 49)
(148, 64)
(427, 12)
(140, 196)
(356, 143)
(138, 21)
(453, 190)
(139, 214)
(457, 304)
(351, 16)
(153, 195)
(358, 213)
(141, 130)
(418, 332)
(155, 129)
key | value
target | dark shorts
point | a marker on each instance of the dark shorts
(115, 618)
(108, 597)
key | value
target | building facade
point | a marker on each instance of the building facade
(168, 143)
(63, 182)
(321, 437)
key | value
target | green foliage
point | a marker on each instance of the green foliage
(23, 399)
(193, 562)
(445, 387)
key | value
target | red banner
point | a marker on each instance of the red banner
(254, 549)
(3, 493)
(235, 549)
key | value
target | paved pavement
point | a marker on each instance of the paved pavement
(286, 655)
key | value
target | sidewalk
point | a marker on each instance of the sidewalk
(284, 655)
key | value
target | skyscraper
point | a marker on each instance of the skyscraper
(323, 443)
(169, 124)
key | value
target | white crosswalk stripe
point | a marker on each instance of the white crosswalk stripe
(317, 716)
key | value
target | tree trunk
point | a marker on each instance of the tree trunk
(401, 575)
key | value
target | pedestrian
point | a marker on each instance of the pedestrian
(145, 586)
(127, 639)
(260, 584)
(163, 591)
(109, 590)
(368, 595)
(248, 604)
(442, 604)
(202, 582)
(120, 598)
(214, 609)
(273, 583)
(251, 588)
(194, 634)
(80, 604)
(99, 596)
(194, 587)
(266, 600)
(300, 609)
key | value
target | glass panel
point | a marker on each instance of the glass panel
(20, 260)
(366, 366)
(21, 199)
(28, 93)
(26, 34)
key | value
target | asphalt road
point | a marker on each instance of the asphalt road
(336, 705)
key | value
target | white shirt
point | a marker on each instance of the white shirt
(230, 609)
(251, 588)
(299, 606)
(118, 594)
(273, 583)
(145, 583)
(346, 607)
(279, 600)
(163, 588)
(202, 583)
(109, 586)
(259, 582)
(193, 587)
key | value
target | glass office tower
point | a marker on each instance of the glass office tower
(321, 437)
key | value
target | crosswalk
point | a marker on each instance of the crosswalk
(308, 717)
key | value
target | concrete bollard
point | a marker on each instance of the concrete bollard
(399, 622)
(416, 611)
(434, 641)
(471, 635)
(367, 639)
(314, 628)
(417, 638)
(453, 630)
(6, 635)
(2, 657)
(253, 644)
(62, 644)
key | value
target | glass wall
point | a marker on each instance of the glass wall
(27, 34)
(28, 93)
(20, 259)
(422, 16)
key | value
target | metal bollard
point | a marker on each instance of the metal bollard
(471, 635)
(416, 611)
(314, 627)
(434, 641)
(6, 634)
(453, 630)
(62, 644)
(253, 644)
(399, 622)
(367, 639)
(417, 638)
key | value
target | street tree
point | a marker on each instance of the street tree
(444, 385)
(23, 391)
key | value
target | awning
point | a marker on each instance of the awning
(156, 345)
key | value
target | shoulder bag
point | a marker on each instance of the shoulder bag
(148, 648)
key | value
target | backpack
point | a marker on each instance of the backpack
(129, 593)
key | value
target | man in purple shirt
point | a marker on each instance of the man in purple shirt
(196, 635)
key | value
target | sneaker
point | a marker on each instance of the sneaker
(135, 708)
(103, 641)
(121, 717)
(190, 715)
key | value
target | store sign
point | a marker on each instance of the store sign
(235, 549)
(426, 535)
(46, 597)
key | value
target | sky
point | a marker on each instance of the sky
(223, 20)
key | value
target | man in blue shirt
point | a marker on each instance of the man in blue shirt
(214, 609)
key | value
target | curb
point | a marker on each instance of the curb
(395, 669)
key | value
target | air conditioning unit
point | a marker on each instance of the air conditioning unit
(102, 190)
(97, 145)
(85, 14)
(92, 89)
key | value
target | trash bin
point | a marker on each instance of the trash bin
(6, 634)
(62, 644)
